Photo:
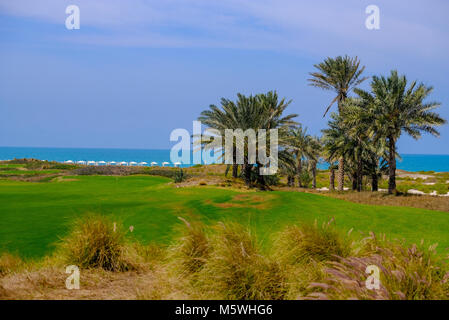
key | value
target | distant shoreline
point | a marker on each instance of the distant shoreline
(410, 162)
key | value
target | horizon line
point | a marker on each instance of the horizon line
(124, 148)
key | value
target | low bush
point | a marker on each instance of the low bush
(179, 176)
(106, 171)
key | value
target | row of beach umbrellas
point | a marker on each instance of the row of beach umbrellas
(123, 163)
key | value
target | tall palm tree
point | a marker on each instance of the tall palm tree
(398, 108)
(340, 74)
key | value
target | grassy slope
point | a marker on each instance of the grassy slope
(34, 215)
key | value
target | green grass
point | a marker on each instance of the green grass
(27, 172)
(33, 216)
(12, 165)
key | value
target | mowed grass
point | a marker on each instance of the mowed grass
(33, 216)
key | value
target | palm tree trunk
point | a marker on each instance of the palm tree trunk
(314, 175)
(247, 173)
(260, 177)
(332, 179)
(235, 166)
(291, 181)
(354, 181)
(392, 166)
(235, 170)
(359, 173)
(374, 182)
(341, 174)
(299, 170)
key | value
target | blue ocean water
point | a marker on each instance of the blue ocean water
(409, 162)
(418, 162)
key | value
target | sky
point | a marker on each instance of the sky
(136, 69)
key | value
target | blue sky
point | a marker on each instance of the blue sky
(138, 69)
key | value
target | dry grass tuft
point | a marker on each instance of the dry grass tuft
(9, 263)
(307, 243)
(406, 273)
(190, 252)
(236, 269)
(226, 262)
(95, 242)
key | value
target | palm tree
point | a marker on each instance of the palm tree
(315, 150)
(287, 167)
(337, 144)
(300, 144)
(262, 111)
(398, 108)
(221, 119)
(341, 75)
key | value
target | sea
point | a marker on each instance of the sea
(409, 162)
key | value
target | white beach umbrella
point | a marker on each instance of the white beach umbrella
(112, 163)
(123, 163)
(132, 163)
(177, 164)
(165, 163)
(143, 163)
(101, 162)
(91, 163)
(153, 163)
(69, 161)
(81, 162)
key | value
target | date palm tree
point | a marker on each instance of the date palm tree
(226, 117)
(337, 144)
(341, 75)
(315, 151)
(396, 108)
(262, 111)
(300, 144)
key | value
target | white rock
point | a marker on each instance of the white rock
(433, 193)
(323, 189)
(383, 190)
(429, 183)
(345, 189)
(413, 191)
